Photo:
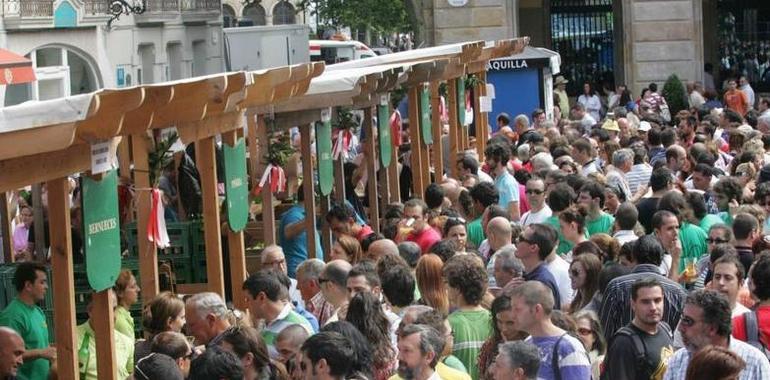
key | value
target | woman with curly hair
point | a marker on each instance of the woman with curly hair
(467, 282)
(430, 283)
(346, 248)
(503, 330)
(584, 274)
(365, 313)
(609, 247)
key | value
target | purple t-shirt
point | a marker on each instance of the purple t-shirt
(573, 359)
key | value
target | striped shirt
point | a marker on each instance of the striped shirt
(616, 305)
(471, 329)
(757, 366)
(286, 318)
(573, 359)
(638, 176)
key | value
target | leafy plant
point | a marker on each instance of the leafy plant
(161, 157)
(675, 94)
(279, 149)
(345, 119)
(471, 81)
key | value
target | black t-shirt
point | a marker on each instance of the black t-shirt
(647, 208)
(621, 361)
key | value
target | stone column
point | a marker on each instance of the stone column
(476, 20)
(662, 38)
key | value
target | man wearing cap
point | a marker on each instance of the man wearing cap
(612, 127)
(561, 89)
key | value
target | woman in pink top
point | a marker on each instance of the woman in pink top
(21, 233)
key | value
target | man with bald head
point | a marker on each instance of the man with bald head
(381, 248)
(309, 285)
(499, 233)
(289, 341)
(334, 287)
(11, 353)
(273, 258)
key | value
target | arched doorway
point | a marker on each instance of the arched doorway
(61, 71)
(284, 13)
(253, 15)
(228, 16)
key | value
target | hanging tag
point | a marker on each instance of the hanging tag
(485, 104)
(100, 157)
(491, 90)
(384, 99)
(326, 115)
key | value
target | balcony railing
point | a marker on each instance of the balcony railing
(201, 5)
(156, 6)
(28, 8)
(97, 7)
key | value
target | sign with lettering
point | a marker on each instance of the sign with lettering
(236, 185)
(425, 116)
(507, 64)
(101, 157)
(323, 136)
(101, 229)
(383, 123)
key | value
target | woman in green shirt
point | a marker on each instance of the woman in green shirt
(127, 291)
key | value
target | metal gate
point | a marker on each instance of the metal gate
(743, 31)
(582, 32)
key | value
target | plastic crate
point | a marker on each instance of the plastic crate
(201, 273)
(50, 321)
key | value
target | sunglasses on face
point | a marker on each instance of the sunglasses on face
(716, 241)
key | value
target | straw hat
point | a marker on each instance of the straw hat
(611, 125)
(560, 80)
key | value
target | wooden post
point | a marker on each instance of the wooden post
(384, 186)
(416, 140)
(206, 162)
(326, 231)
(482, 126)
(148, 254)
(394, 184)
(438, 131)
(251, 142)
(103, 323)
(371, 170)
(124, 157)
(5, 228)
(63, 282)
(39, 222)
(308, 189)
(236, 249)
(268, 212)
(454, 127)
(339, 180)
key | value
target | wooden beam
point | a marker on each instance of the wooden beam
(424, 153)
(5, 227)
(62, 282)
(454, 127)
(326, 231)
(39, 224)
(251, 142)
(339, 180)
(205, 155)
(371, 170)
(22, 171)
(236, 249)
(268, 211)
(103, 323)
(148, 254)
(438, 131)
(308, 188)
(415, 140)
(383, 181)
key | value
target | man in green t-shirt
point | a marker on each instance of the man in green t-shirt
(467, 283)
(484, 195)
(591, 199)
(25, 317)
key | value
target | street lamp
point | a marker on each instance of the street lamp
(126, 7)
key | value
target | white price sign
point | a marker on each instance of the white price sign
(101, 159)
(485, 104)
(490, 90)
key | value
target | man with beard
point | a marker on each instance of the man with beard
(497, 156)
(641, 349)
(419, 350)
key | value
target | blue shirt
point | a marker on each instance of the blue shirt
(542, 274)
(507, 188)
(295, 249)
(572, 359)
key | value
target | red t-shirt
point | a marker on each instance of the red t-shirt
(763, 321)
(425, 238)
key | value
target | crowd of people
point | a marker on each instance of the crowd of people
(615, 242)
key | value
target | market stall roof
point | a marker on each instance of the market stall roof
(15, 68)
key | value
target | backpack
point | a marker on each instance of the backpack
(752, 332)
(555, 357)
(640, 348)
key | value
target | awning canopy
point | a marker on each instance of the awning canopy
(15, 69)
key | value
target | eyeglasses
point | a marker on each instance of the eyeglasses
(322, 280)
(716, 241)
(687, 321)
(583, 331)
(533, 191)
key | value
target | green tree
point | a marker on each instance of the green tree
(380, 16)
(675, 94)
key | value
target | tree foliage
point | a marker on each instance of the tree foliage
(675, 94)
(381, 16)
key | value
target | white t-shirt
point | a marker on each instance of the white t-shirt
(559, 268)
(484, 177)
(537, 217)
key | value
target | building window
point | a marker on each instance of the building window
(283, 13)
(253, 15)
(228, 16)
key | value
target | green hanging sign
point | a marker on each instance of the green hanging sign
(236, 185)
(425, 116)
(383, 122)
(101, 229)
(323, 136)
(461, 101)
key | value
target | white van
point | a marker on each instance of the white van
(331, 51)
